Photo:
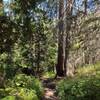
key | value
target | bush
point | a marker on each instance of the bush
(9, 98)
(79, 89)
(20, 94)
(22, 87)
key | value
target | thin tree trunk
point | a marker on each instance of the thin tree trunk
(86, 57)
(85, 7)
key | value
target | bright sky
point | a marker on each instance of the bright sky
(5, 0)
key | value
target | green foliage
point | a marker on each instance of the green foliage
(9, 98)
(20, 94)
(25, 39)
(22, 87)
(81, 89)
(48, 74)
(27, 82)
(84, 87)
(2, 93)
(27, 94)
(76, 46)
(88, 70)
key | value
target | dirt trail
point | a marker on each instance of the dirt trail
(49, 89)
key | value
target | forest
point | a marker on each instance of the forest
(49, 49)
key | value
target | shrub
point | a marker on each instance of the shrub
(25, 85)
(9, 98)
(20, 94)
(80, 89)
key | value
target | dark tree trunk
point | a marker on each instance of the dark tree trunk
(85, 7)
(60, 60)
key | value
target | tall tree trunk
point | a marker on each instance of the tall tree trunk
(60, 60)
(69, 7)
(86, 57)
(85, 7)
(1, 7)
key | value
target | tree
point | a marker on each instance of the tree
(60, 59)
(1, 7)
(63, 37)
(85, 7)
(69, 9)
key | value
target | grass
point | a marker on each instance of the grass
(48, 74)
(88, 70)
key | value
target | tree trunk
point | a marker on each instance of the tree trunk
(69, 7)
(1, 7)
(61, 56)
(85, 7)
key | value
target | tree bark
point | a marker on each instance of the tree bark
(69, 8)
(1, 7)
(85, 7)
(61, 56)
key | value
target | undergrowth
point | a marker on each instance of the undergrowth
(85, 85)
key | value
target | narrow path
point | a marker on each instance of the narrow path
(49, 89)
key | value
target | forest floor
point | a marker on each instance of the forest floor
(49, 85)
